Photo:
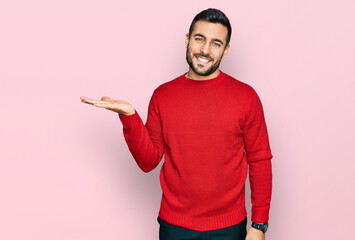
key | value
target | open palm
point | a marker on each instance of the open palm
(119, 106)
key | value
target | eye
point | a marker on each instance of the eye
(216, 44)
(198, 39)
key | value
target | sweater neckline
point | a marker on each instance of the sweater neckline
(203, 83)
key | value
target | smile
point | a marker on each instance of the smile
(203, 60)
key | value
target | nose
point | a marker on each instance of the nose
(205, 49)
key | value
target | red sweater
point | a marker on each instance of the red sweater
(210, 131)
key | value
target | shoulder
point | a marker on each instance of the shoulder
(242, 88)
(169, 84)
(165, 89)
(168, 87)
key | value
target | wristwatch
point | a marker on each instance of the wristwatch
(261, 227)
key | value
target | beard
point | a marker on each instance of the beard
(201, 72)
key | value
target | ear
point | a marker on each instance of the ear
(226, 51)
(187, 40)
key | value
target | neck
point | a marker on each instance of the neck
(192, 75)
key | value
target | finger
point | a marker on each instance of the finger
(89, 100)
(108, 99)
(102, 105)
(86, 99)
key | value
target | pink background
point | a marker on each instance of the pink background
(66, 172)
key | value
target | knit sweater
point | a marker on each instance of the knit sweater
(209, 131)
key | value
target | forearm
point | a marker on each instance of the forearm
(260, 177)
(146, 149)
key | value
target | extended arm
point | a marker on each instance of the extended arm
(144, 141)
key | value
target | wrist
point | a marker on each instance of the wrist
(260, 226)
(127, 113)
(130, 112)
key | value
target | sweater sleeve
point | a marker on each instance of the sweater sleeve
(145, 142)
(259, 156)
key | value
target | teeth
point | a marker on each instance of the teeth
(203, 60)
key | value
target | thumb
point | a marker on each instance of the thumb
(108, 99)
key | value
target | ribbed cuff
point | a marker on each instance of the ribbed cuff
(260, 215)
(130, 120)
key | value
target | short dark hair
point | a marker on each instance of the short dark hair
(215, 16)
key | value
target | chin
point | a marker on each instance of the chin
(202, 71)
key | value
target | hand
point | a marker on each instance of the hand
(119, 106)
(255, 234)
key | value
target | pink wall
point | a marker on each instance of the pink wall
(66, 172)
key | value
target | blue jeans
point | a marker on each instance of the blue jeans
(168, 231)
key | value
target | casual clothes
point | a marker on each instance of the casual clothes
(210, 132)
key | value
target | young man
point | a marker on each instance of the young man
(210, 127)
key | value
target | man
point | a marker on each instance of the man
(210, 127)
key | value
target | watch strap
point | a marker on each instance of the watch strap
(261, 227)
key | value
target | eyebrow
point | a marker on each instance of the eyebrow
(215, 39)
